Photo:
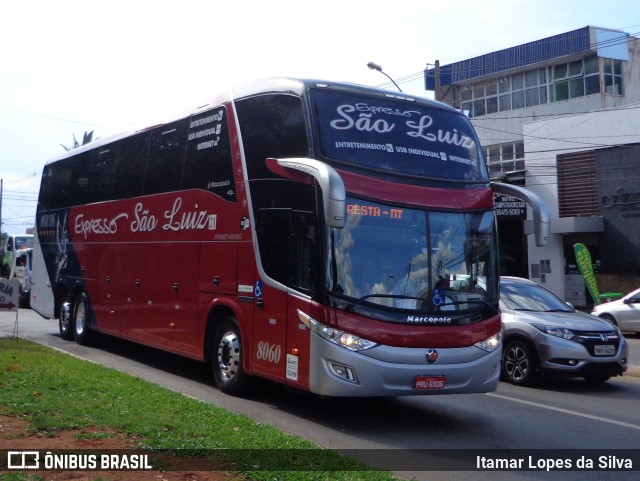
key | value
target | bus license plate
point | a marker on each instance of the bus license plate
(429, 382)
(604, 350)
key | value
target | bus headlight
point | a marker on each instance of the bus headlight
(490, 344)
(336, 336)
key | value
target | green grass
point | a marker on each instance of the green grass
(55, 391)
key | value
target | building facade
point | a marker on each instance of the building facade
(561, 116)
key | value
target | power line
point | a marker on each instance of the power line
(53, 117)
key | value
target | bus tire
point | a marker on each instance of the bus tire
(64, 321)
(81, 330)
(226, 359)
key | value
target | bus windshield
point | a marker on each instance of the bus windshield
(414, 259)
(397, 137)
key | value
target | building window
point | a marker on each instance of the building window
(503, 158)
(574, 79)
(563, 81)
(612, 73)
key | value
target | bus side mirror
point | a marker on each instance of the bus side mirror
(333, 192)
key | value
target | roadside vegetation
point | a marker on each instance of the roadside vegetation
(55, 392)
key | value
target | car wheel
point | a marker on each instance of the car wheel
(81, 330)
(227, 358)
(519, 364)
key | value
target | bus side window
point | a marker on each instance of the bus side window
(287, 246)
(303, 252)
(79, 192)
(163, 172)
(56, 184)
(271, 126)
(132, 156)
(101, 173)
(209, 164)
(273, 227)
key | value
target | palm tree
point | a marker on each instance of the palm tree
(88, 137)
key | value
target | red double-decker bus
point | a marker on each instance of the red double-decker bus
(331, 237)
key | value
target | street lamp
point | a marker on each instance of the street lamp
(375, 66)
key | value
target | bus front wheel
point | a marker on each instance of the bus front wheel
(227, 358)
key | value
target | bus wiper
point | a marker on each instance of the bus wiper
(473, 301)
(350, 307)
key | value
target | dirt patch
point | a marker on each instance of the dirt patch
(16, 434)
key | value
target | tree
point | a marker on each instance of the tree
(87, 137)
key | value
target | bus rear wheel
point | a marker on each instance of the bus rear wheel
(227, 358)
(64, 321)
(80, 315)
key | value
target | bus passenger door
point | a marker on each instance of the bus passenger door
(270, 300)
(286, 239)
(269, 331)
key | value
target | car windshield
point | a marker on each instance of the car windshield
(530, 297)
(24, 242)
(413, 259)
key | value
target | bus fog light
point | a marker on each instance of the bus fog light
(345, 372)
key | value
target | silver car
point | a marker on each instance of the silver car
(543, 335)
(624, 313)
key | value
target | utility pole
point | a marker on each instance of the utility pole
(437, 88)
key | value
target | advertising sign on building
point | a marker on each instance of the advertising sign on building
(9, 295)
(508, 207)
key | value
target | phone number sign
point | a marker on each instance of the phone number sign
(507, 206)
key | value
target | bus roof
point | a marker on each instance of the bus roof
(256, 87)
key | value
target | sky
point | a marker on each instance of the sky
(108, 66)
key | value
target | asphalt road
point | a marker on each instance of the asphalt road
(559, 415)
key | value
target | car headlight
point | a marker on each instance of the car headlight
(490, 344)
(556, 331)
(336, 336)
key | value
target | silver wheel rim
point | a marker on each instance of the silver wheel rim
(516, 363)
(228, 356)
(65, 322)
(80, 318)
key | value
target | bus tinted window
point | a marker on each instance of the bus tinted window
(209, 162)
(79, 187)
(101, 173)
(271, 126)
(56, 184)
(163, 172)
(395, 136)
(132, 156)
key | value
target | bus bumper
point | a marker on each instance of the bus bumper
(398, 371)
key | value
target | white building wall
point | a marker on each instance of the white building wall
(544, 141)
(583, 123)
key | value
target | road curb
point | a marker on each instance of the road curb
(632, 371)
